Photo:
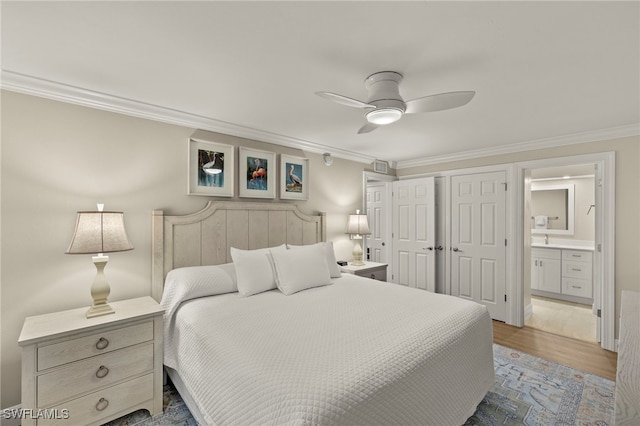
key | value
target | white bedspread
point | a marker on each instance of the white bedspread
(357, 352)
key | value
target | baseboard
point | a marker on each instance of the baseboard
(10, 416)
(528, 311)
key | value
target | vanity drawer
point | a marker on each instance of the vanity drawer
(94, 344)
(93, 373)
(92, 408)
(579, 255)
(580, 270)
(577, 287)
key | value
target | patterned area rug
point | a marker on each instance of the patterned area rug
(528, 391)
(532, 391)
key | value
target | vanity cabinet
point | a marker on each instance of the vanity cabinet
(562, 274)
(546, 270)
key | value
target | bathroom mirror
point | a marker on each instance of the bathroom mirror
(552, 208)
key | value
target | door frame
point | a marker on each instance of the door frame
(605, 221)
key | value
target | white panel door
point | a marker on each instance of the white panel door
(414, 233)
(377, 215)
(478, 229)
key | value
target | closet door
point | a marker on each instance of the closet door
(478, 244)
(414, 233)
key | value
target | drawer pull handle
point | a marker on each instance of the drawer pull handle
(102, 372)
(576, 255)
(576, 270)
(102, 343)
(576, 286)
(102, 404)
(373, 276)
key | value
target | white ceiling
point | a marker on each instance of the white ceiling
(542, 71)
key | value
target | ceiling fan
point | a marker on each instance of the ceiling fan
(385, 105)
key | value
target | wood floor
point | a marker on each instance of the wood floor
(585, 356)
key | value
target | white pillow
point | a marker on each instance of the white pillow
(209, 279)
(334, 269)
(254, 270)
(300, 269)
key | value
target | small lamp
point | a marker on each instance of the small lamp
(99, 232)
(356, 228)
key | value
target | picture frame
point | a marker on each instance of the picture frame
(257, 173)
(294, 177)
(210, 169)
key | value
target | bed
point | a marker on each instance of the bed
(340, 349)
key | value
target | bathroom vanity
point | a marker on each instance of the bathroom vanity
(562, 272)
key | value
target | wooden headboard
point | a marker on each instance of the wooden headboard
(205, 237)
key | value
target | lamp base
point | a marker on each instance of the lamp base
(99, 310)
(100, 289)
(357, 253)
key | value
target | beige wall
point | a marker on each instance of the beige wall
(59, 158)
(627, 234)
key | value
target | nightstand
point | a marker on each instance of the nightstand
(374, 270)
(88, 371)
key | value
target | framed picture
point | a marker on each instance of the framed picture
(294, 178)
(210, 168)
(257, 173)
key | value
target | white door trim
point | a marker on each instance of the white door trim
(605, 220)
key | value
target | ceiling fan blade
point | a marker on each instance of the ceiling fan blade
(368, 127)
(344, 100)
(439, 102)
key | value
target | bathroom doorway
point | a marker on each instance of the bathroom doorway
(562, 205)
(568, 246)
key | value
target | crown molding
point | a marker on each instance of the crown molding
(572, 139)
(29, 85)
(34, 86)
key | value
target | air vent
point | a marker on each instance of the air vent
(380, 166)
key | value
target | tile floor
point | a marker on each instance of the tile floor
(562, 318)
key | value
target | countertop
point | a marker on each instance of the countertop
(567, 246)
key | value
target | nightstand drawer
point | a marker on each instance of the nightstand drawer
(95, 344)
(93, 373)
(379, 274)
(577, 287)
(105, 403)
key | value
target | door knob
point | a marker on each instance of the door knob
(427, 248)
(457, 249)
(439, 248)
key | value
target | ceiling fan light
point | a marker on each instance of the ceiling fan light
(382, 116)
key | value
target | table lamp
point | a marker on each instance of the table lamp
(99, 232)
(356, 228)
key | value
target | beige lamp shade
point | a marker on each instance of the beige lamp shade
(358, 224)
(99, 232)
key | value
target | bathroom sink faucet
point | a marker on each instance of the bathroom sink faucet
(546, 239)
